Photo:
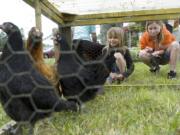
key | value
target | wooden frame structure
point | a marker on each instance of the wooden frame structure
(66, 20)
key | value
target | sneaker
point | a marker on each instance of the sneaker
(154, 64)
(154, 69)
(171, 75)
(109, 80)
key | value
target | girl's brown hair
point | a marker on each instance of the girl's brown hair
(119, 34)
(161, 24)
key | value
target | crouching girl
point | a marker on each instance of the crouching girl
(123, 65)
(158, 47)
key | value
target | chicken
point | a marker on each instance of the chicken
(25, 94)
(83, 70)
(35, 47)
(88, 50)
(92, 52)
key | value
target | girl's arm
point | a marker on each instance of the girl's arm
(157, 53)
(149, 49)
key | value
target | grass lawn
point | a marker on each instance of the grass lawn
(50, 61)
(122, 110)
(3, 118)
(142, 76)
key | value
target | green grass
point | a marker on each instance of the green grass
(142, 76)
(50, 61)
(3, 118)
(122, 110)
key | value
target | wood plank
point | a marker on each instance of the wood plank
(122, 14)
(66, 32)
(104, 18)
(38, 15)
(29, 2)
(52, 8)
(46, 11)
(122, 19)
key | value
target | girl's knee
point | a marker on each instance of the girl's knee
(175, 46)
(118, 56)
(142, 54)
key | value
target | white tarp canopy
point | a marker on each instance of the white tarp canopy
(82, 7)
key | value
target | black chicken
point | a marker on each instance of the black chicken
(25, 94)
(83, 70)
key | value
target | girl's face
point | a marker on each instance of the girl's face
(113, 41)
(154, 29)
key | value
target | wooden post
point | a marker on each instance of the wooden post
(66, 32)
(129, 39)
(38, 14)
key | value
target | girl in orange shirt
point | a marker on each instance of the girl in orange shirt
(158, 47)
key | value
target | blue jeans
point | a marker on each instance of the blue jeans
(114, 69)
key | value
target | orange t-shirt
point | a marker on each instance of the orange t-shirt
(147, 41)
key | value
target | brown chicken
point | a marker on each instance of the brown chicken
(35, 47)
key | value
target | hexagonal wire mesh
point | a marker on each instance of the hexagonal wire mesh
(83, 70)
(27, 96)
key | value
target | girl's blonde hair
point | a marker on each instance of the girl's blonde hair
(119, 34)
(176, 23)
(161, 24)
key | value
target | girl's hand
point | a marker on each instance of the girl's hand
(117, 55)
(148, 49)
(113, 75)
(120, 77)
(155, 53)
